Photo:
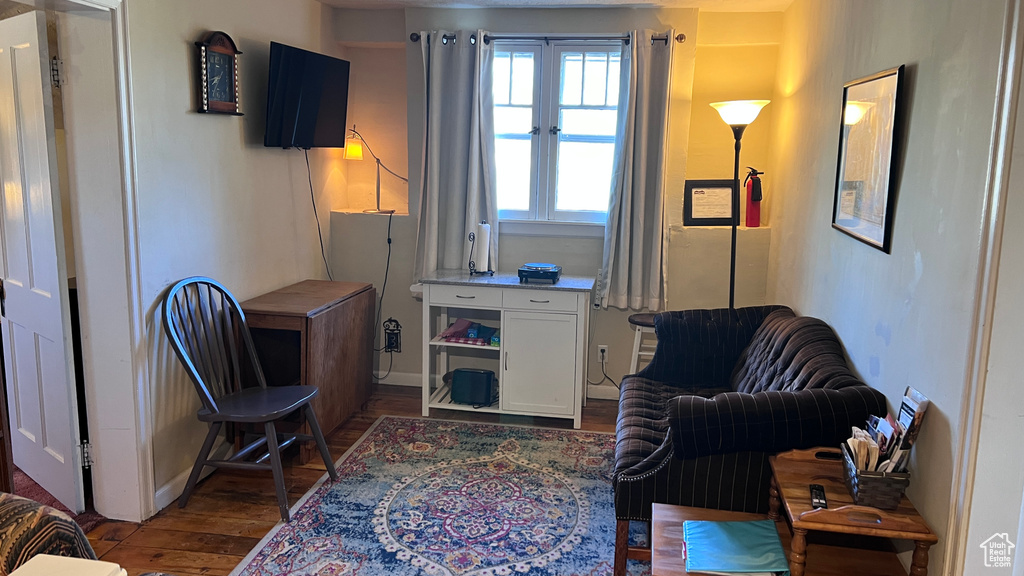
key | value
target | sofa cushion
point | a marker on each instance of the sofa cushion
(790, 353)
(699, 348)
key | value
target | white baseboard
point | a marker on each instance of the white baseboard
(169, 492)
(401, 379)
(602, 392)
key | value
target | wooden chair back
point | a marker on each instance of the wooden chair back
(207, 329)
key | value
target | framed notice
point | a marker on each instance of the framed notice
(708, 202)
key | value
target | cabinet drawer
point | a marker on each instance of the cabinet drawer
(468, 296)
(525, 299)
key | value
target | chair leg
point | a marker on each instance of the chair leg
(275, 465)
(318, 435)
(621, 547)
(197, 469)
(638, 337)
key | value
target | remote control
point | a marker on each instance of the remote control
(818, 496)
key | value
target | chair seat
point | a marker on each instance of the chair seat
(259, 404)
(642, 320)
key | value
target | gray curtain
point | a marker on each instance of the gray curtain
(458, 184)
(633, 275)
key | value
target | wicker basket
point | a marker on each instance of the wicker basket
(882, 490)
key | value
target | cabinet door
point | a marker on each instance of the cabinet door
(538, 362)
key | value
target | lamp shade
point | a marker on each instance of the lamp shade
(353, 148)
(855, 111)
(739, 112)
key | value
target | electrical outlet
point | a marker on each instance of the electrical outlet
(602, 352)
(392, 336)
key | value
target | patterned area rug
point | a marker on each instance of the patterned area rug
(418, 496)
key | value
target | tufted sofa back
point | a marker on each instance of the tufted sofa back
(790, 353)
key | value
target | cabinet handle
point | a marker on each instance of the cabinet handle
(465, 297)
(540, 301)
(506, 361)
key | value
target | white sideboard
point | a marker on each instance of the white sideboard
(540, 360)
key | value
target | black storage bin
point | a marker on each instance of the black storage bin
(473, 386)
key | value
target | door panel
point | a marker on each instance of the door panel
(36, 328)
(538, 362)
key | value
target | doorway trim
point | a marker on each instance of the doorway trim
(997, 187)
(136, 306)
(118, 438)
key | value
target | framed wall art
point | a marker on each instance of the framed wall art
(869, 147)
(708, 202)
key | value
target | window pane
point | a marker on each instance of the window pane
(502, 68)
(512, 158)
(572, 78)
(614, 70)
(513, 120)
(584, 176)
(595, 78)
(588, 122)
(522, 78)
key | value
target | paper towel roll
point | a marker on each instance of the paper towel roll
(482, 247)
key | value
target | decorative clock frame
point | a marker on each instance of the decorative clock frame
(218, 74)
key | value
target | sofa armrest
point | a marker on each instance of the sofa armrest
(699, 348)
(30, 528)
(769, 421)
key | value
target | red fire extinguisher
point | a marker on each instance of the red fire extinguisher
(753, 184)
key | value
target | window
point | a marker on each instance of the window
(555, 118)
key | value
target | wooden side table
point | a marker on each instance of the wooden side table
(319, 333)
(793, 473)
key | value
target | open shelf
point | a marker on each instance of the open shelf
(441, 398)
(439, 341)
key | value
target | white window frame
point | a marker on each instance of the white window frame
(544, 161)
(536, 48)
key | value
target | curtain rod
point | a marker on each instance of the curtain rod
(680, 38)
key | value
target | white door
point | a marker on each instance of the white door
(538, 362)
(36, 324)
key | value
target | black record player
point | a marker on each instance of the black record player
(539, 271)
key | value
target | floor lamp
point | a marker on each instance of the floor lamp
(354, 151)
(738, 114)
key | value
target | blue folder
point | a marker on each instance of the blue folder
(734, 547)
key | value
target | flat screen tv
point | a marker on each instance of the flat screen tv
(307, 98)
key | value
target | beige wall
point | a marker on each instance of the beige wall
(736, 59)
(211, 199)
(905, 317)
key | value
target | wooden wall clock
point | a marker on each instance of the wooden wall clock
(218, 74)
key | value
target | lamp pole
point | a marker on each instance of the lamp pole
(737, 131)
(738, 114)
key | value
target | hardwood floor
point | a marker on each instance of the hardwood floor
(231, 511)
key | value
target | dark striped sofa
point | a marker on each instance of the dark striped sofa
(726, 389)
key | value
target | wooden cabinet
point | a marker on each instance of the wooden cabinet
(539, 362)
(318, 333)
